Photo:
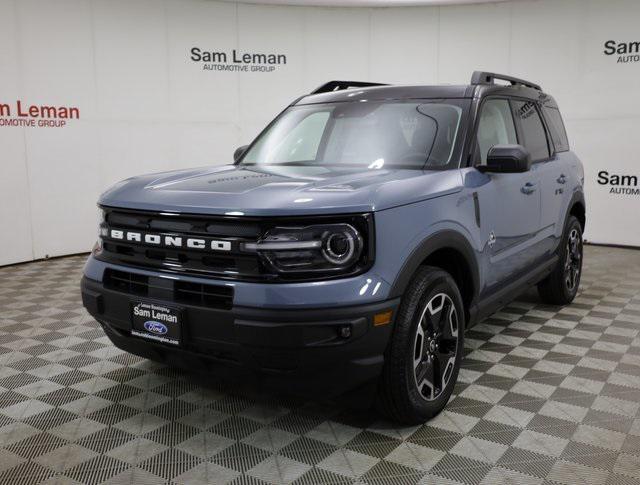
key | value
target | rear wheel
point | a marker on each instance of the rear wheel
(424, 354)
(561, 286)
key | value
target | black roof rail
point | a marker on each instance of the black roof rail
(340, 85)
(481, 77)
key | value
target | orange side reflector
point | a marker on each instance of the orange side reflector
(383, 318)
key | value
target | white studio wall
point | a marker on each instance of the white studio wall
(128, 96)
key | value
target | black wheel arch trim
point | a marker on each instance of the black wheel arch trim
(576, 198)
(445, 239)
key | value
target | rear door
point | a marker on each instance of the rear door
(547, 167)
(561, 169)
(509, 203)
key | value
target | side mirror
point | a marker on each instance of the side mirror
(507, 159)
(239, 152)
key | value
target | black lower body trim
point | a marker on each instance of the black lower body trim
(492, 303)
(304, 351)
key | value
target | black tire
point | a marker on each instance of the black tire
(561, 286)
(400, 396)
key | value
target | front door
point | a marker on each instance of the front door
(510, 213)
(509, 203)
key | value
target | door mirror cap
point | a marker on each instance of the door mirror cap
(507, 159)
(237, 155)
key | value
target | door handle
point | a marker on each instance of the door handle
(529, 188)
(562, 179)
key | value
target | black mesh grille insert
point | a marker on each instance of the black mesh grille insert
(131, 283)
(210, 296)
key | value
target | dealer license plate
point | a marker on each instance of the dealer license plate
(157, 322)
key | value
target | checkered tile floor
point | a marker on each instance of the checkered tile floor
(546, 395)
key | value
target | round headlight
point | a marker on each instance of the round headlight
(301, 250)
(341, 246)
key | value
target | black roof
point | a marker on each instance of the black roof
(482, 83)
(385, 92)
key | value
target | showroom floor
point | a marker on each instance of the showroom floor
(546, 395)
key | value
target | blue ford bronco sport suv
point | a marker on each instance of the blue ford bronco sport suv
(351, 244)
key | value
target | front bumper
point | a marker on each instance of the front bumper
(300, 350)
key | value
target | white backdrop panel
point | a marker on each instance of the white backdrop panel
(613, 218)
(131, 59)
(407, 41)
(197, 95)
(473, 37)
(15, 211)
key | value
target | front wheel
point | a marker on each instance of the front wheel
(423, 357)
(561, 286)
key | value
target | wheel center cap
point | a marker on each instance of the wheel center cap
(432, 346)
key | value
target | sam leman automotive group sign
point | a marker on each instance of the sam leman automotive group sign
(36, 115)
(237, 61)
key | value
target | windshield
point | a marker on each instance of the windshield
(365, 134)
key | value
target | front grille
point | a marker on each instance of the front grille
(228, 263)
(210, 296)
(232, 264)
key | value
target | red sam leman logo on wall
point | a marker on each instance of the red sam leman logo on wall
(43, 116)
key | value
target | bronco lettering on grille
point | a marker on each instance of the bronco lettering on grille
(169, 241)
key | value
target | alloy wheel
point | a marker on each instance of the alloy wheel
(573, 262)
(435, 346)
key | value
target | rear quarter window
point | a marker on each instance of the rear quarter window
(556, 126)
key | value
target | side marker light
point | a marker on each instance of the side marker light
(383, 318)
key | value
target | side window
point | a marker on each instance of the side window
(495, 127)
(534, 137)
(556, 126)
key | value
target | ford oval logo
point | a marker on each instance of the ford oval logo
(155, 327)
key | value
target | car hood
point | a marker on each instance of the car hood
(279, 190)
